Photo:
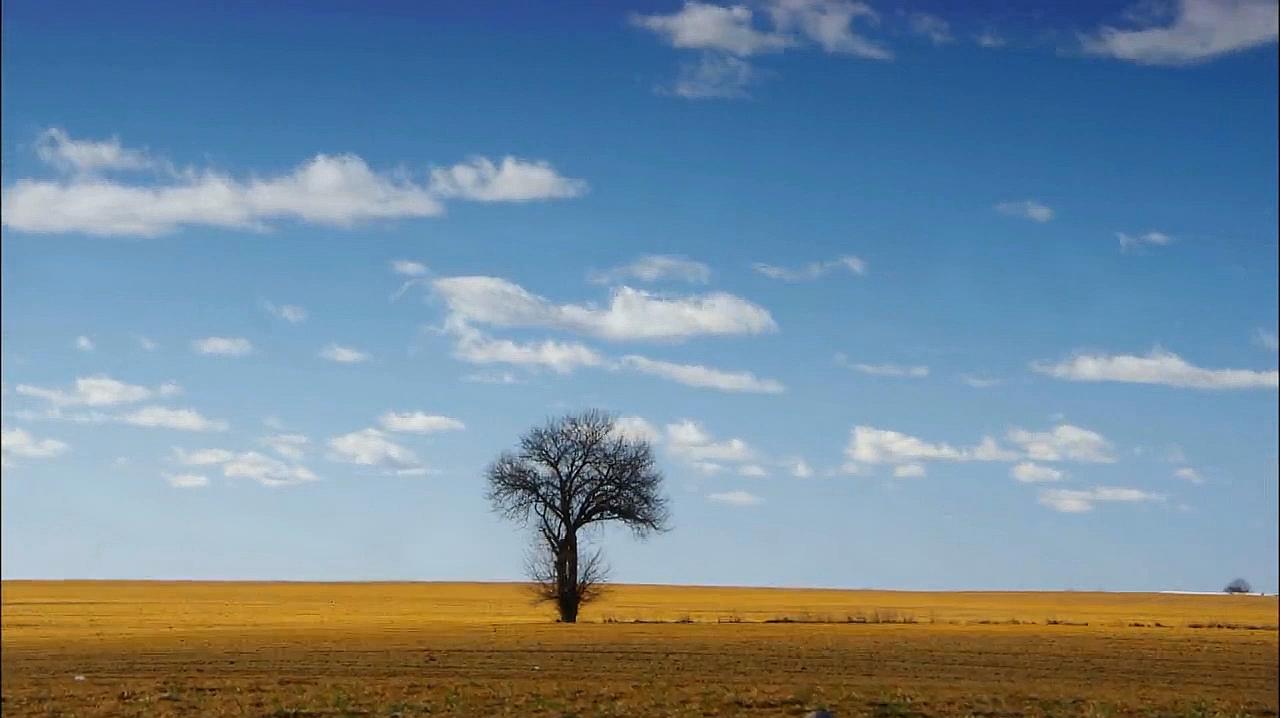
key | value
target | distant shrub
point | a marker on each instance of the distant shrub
(1239, 585)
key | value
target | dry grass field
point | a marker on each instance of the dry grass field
(297, 649)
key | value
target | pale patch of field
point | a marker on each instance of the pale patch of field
(401, 649)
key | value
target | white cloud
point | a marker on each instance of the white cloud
(703, 26)
(222, 346)
(513, 180)
(187, 481)
(704, 377)
(1031, 473)
(1186, 473)
(813, 270)
(1158, 367)
(84, 344)
(19, 443)
(1132, 243)
(475, 347)
(754, 471)
(494, 377)
(1026, 209)
(736, 498)
(266, 470)
(707, 468)
(829, 23)
(343, 355)
(687, 439)
(409, 268)
(1064, 443)
(334, 190)
(202, 457)
(979, 382)
(1200, 31)
(869, 445)
(1076, 501)
(636, 429)
(100, 390)
(1266, 339)
(632, 314)
(54, 146)
(801, 469)
(417, 422)
(291, 313)
(147, 344)
(290, 446)
(713, 77)
(908, 471)
(933, 27)
(371, 447)
(895, 370)
(160, 417)
(656, 268)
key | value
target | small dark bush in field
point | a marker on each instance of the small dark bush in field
(1239, 585)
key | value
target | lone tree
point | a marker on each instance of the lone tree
(1239, 585)
(571, 474)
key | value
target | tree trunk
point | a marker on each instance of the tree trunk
(567, 579)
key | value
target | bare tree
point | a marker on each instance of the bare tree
(573, 473)
(1238, 585)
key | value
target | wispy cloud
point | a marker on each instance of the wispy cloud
(371, 447)
(1031, 473)
(84, 344)
(20, 444)
(735, 498)
(510, 180)
(291, 313)
(344, 355)
(1026, 209)
(1133, 243)
(1266, 339)
(696, 375)
(890, 370)
(813, 270)
(1075, 501)
(1200, 30)
(936, 29)
(656, 268)
(1158, 367)
(417, 422)
(163, 417)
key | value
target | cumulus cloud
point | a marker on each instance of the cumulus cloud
(1064, 442)
(1158, 367)
(1026, 209)
(656, 268)
(1030, 473)
(222, 346)
(812, 270)
(84, 344)
(893, 370)
(55, 147)
(266, 470)
(97, 391)
(1074, 501)
(417, 422)
(688, 440)
(1200, 30)
(870, 445)
(187, 481)
(704, 26)
(511, 180)
(703, 377)
(161, 417)
(475, 347)
(800, 469)
(736, 498)
(830, 25)
(334, 190)
(637, 429)
(19, 443)
(1136, 242)
(291, 313)
(371, 447)
(632, 314)
(343, 355)
(290, 446)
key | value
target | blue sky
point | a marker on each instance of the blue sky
(906, 296)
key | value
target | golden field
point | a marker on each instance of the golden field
(408, 649)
